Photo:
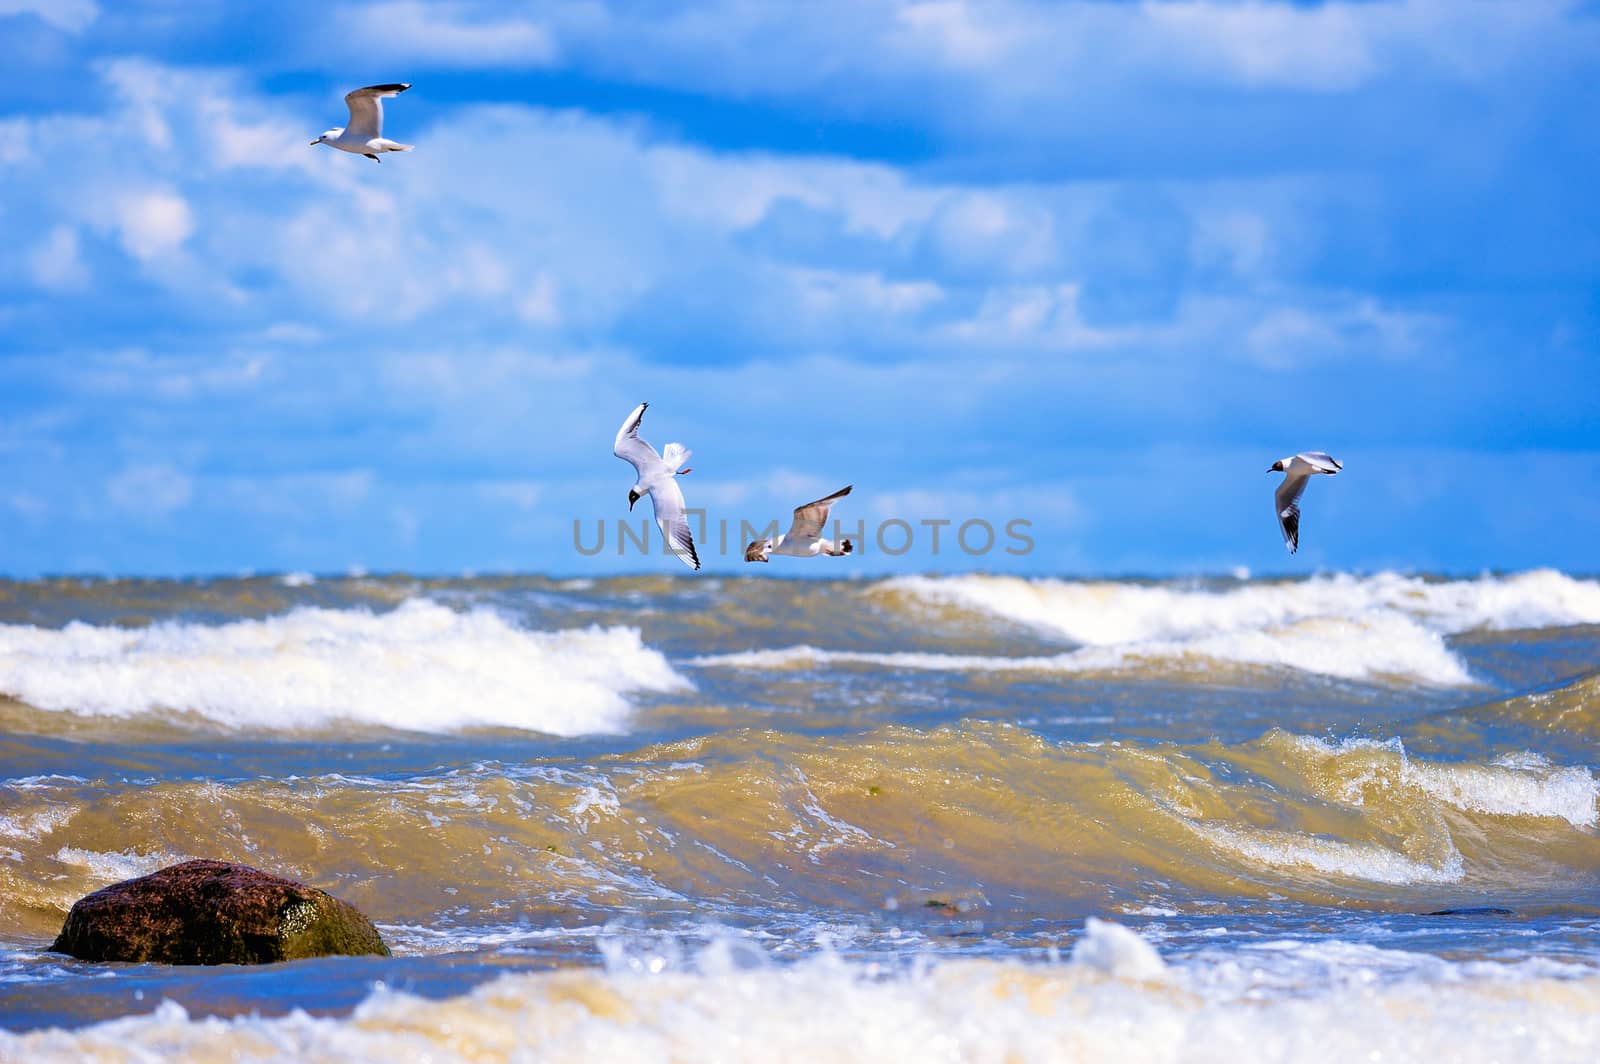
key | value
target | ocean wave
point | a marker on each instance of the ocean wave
(1373, 648)
(1525, 786)
(1385, 625)
(731, 1005)
(891, 818)
(419, 667)
(1292, 850)
(1572, 709)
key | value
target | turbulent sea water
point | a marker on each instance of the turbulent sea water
(925, 818)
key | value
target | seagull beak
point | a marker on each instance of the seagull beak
(316, 142)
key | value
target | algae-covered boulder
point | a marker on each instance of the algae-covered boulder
(213, 912)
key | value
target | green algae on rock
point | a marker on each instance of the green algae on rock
(214, 912)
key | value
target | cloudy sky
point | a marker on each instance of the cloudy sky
(1090, 265)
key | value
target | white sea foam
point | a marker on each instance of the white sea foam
(1386, 625)
(1378, 647)
(731, 1009)
(33, 825)
(1527, 785)
(421, 666)
(1328, 857)
(115, 866)
(1105, 613)
(1111, 948)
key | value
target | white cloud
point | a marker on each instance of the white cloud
(56, 263)
(832, 293)
(540, 304)
(1036, 315)
(998, 62)
(448, 32)
(958, 33)
(637, 235)
(72, 16)
(1291, 336)
(1328, 47)
(150, 491)
(153, 224)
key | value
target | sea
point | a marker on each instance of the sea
(1351, 816)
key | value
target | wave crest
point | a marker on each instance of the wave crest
(422, 667)
(1380, 626)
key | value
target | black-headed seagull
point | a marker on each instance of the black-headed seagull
(1297, 472)
(804, 538)
(658, 478)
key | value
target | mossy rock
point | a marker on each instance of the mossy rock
(214, 912)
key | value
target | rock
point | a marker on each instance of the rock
(213, 912)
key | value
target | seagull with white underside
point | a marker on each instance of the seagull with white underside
(364, 134)
(1297, 473)
(804, 538)
(658, 478)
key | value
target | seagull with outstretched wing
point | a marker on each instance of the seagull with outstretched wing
(1297, 472)
(804, 538)
(658, 478)
(364, 134)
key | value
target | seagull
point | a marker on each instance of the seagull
(804, 538)
(364, 134)
(1296, 474)
(658, 475)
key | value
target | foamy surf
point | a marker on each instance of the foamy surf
(1373, 627)
(1114, 1000)
(419, 667)
(1374, 648)
(1525, 786)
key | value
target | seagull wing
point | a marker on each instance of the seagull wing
(810, 518)
(1287, 500)
(630, 448)
(667, 498)
(676, 455)
(1323, 463)
(366, 109)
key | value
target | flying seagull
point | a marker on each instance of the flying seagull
(364, 134)
(804, 538)
(658, 478)
(1296, 474)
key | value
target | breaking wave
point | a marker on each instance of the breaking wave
(895, 816)
(1373, 627)
(419, 667)
(1113, 998)
(1376, 648)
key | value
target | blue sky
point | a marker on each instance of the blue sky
(1092, 265)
